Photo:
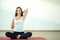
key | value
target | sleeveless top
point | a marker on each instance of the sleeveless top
(18, 25)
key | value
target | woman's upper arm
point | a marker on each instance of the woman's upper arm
(25, 13)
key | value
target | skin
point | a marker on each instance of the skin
(19, 17)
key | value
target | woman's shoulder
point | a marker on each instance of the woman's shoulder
(13, 18)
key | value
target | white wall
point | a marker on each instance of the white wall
(42, 14)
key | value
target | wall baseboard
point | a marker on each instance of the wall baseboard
(33, 30)
(43, 30)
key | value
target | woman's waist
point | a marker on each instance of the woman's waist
(18, 33)
(18, 29)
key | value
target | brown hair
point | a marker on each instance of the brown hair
(21, 11)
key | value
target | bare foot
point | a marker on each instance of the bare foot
(18, 37)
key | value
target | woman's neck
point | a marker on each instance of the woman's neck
(18, 16)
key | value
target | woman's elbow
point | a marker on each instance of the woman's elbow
(12, 27)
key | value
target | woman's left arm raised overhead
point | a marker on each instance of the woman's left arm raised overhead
(25, 13)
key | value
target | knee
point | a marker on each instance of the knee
(30, 33)
(7, 33)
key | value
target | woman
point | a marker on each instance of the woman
(17, 25)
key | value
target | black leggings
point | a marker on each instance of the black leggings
(15, 34)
